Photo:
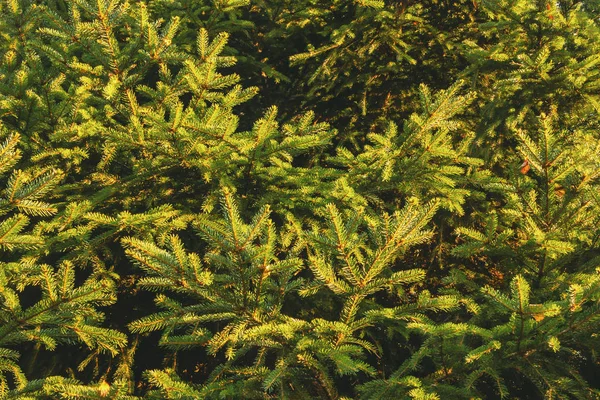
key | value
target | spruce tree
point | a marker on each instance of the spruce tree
(299, 199)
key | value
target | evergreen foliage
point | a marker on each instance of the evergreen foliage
(250, 199)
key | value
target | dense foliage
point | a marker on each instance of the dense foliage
(297, 199)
